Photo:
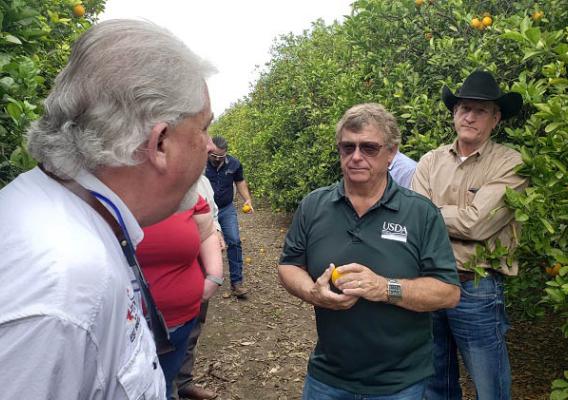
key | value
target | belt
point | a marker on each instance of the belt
(466, 276)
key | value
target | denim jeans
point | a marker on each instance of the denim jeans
(476, 327)
(316, 390)
(230, 226)
(171, 362)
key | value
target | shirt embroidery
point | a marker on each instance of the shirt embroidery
(393, 231)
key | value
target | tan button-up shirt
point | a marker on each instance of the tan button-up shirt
(470, 195)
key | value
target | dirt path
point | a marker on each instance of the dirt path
(257, 349)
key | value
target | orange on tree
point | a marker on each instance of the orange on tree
(487, 21)
(246, 209)
(78, 10)
(419, 3)
(477, 24)
(537, 15)
(553, 270)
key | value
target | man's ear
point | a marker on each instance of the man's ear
(156, 149)
(392, 153)
(497, 118)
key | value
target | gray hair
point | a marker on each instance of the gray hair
(220, 142)
(361, 115)
(122, 78)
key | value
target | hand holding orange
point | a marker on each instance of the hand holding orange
(247, 209)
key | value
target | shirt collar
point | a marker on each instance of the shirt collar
(91, 182)
(485, 147)
(389, 199)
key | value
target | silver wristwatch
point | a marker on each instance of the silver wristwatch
(215, 279)
(394, 291)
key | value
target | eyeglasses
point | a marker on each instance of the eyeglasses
(368, 149)
(217, 156)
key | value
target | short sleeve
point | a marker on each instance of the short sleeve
(436, 256)
(294, 249)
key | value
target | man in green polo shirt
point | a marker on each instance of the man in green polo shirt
(396, 264)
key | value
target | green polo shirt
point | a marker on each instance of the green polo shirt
(373, 348)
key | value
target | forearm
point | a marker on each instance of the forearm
(211, 258)
(296, 281)
(243, 190)
(428, 294)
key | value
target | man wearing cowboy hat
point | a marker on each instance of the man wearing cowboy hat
(467, 181)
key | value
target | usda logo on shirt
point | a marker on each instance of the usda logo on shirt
(393, 231)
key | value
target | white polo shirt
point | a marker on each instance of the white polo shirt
(70, 321)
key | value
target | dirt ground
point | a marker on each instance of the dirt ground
(257, 349)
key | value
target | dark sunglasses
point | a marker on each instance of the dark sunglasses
(368, 149)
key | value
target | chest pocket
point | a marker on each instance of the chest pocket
(141, 377)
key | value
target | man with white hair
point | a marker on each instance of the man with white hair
(122, 139)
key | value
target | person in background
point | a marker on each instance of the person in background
(185, 388)
(224, 171)
(395, 265)
(122, 139)
(467, 180)
(181, 259)
(402, 169)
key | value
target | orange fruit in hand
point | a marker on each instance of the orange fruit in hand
(79, 10)
(247, 208)
(335, 275)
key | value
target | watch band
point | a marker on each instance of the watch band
(394, 291)
(219, 281)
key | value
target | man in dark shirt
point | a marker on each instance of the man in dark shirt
(395, 264)
(222, 171)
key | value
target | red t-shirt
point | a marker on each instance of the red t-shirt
(168, 256)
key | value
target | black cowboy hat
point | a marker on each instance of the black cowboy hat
(481, 85)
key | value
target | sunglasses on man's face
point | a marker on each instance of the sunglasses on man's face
(217, 156)
(369, 149)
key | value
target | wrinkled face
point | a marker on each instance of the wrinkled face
(474, 121)
(217, 156)
(189, 142)
(364, 156)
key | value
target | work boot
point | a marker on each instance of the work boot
(239, 291)
(194, 392)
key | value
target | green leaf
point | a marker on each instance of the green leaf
(14, 110)
(547, 225)
(11, 39)
(516, 36)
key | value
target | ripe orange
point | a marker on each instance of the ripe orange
(418, 3)
(537, 15)
(247, 208)
(335, 275)
(79, 10)
(487, 21)
(476, 23)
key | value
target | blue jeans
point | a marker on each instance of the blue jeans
(171, 362)
(230, 226)
(316, 390)
(476, 327)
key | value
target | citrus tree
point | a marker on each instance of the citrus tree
(400, 54)
(35, 39)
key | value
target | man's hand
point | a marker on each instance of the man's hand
(322, 296)
(358, 280)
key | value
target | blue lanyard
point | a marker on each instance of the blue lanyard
(127, 248)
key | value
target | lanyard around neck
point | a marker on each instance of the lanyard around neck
(154, 316)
